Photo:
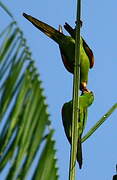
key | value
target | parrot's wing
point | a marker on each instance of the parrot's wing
(68, 66)
(89, 53)
(67, 119)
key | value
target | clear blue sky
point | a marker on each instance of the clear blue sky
(100, 32)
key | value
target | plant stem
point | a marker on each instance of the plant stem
(99, 123)
(76, 85)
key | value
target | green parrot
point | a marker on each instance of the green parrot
(85, 100)
(67, 48)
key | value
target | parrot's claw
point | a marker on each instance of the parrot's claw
(81, 23)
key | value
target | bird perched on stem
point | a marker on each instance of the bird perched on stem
(85, 100)
(67, 48)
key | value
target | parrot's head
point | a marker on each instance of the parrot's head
(87, 98)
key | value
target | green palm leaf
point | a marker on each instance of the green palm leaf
(23, 112)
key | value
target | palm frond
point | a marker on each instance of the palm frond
(24, 119)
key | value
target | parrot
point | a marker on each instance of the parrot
(67, 48)
(85, 100)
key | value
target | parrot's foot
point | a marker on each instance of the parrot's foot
(81, 23)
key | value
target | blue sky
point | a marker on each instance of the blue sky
(99, 30)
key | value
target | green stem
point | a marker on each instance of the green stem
(76, 85)
(98, 124)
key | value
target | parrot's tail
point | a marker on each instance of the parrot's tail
(79, 153)
(45, 28)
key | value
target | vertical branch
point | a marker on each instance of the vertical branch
(76, 86)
